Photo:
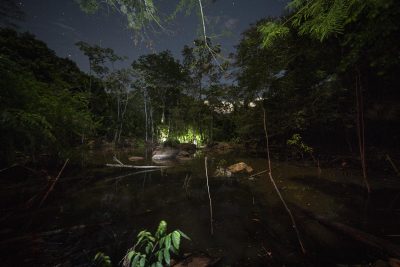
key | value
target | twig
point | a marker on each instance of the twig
(53, 184)
(388, 158)
(209, 197)
(258, 173)
(10, 167)
(212, 52)
(277, 190)
(117, 160)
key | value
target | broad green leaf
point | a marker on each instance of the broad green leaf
(135, 260)
(176, 239)
(130, 255)
(167, 256)
(142, 261)
(183, 235)
(149, 247)
(160, 255)
(162, 241)
(168, 241)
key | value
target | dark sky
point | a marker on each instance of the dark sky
(60, 23)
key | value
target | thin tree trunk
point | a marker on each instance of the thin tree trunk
(145, 113)
(152, 124)
(123, 116)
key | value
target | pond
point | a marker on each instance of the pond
(102, 209)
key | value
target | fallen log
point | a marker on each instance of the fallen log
(356, 234)
(136, 167)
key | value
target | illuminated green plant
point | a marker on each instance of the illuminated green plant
(154, 250)
(296, 142)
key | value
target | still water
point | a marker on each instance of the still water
(102, 209)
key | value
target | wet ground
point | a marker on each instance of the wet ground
(102, 209)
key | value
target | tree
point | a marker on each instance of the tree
(42, 107)
(161, 79)
(363, 31)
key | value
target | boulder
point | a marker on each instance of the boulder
(183, 155)
(222, 172)
(240, 167)
(165, 153)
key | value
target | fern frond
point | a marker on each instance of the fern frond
(271, 31)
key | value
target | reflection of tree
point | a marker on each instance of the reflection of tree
(10, 12)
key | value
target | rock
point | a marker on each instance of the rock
(221, 172)
(182, 152)
(135, 158)
(394, 262)
(183, 155)
(240, 167)
(166, 153)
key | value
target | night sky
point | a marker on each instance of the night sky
(61, 23)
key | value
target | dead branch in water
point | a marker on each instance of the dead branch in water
(258, 173)
(277, 190)
(51, 187)
(388, 158)
(356, 234)
(136, 167)
(361, 129)
(209, 197)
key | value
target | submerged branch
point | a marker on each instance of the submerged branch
(363, 237)
(209, 197)
(277, 190)
(51, 187)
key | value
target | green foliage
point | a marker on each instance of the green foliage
(102, 260)
(154, 250)
(272, 31)
(139, 14)
(321, 18)
(89, 6)
(297, 143)
(43, 106)
(184, 6)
